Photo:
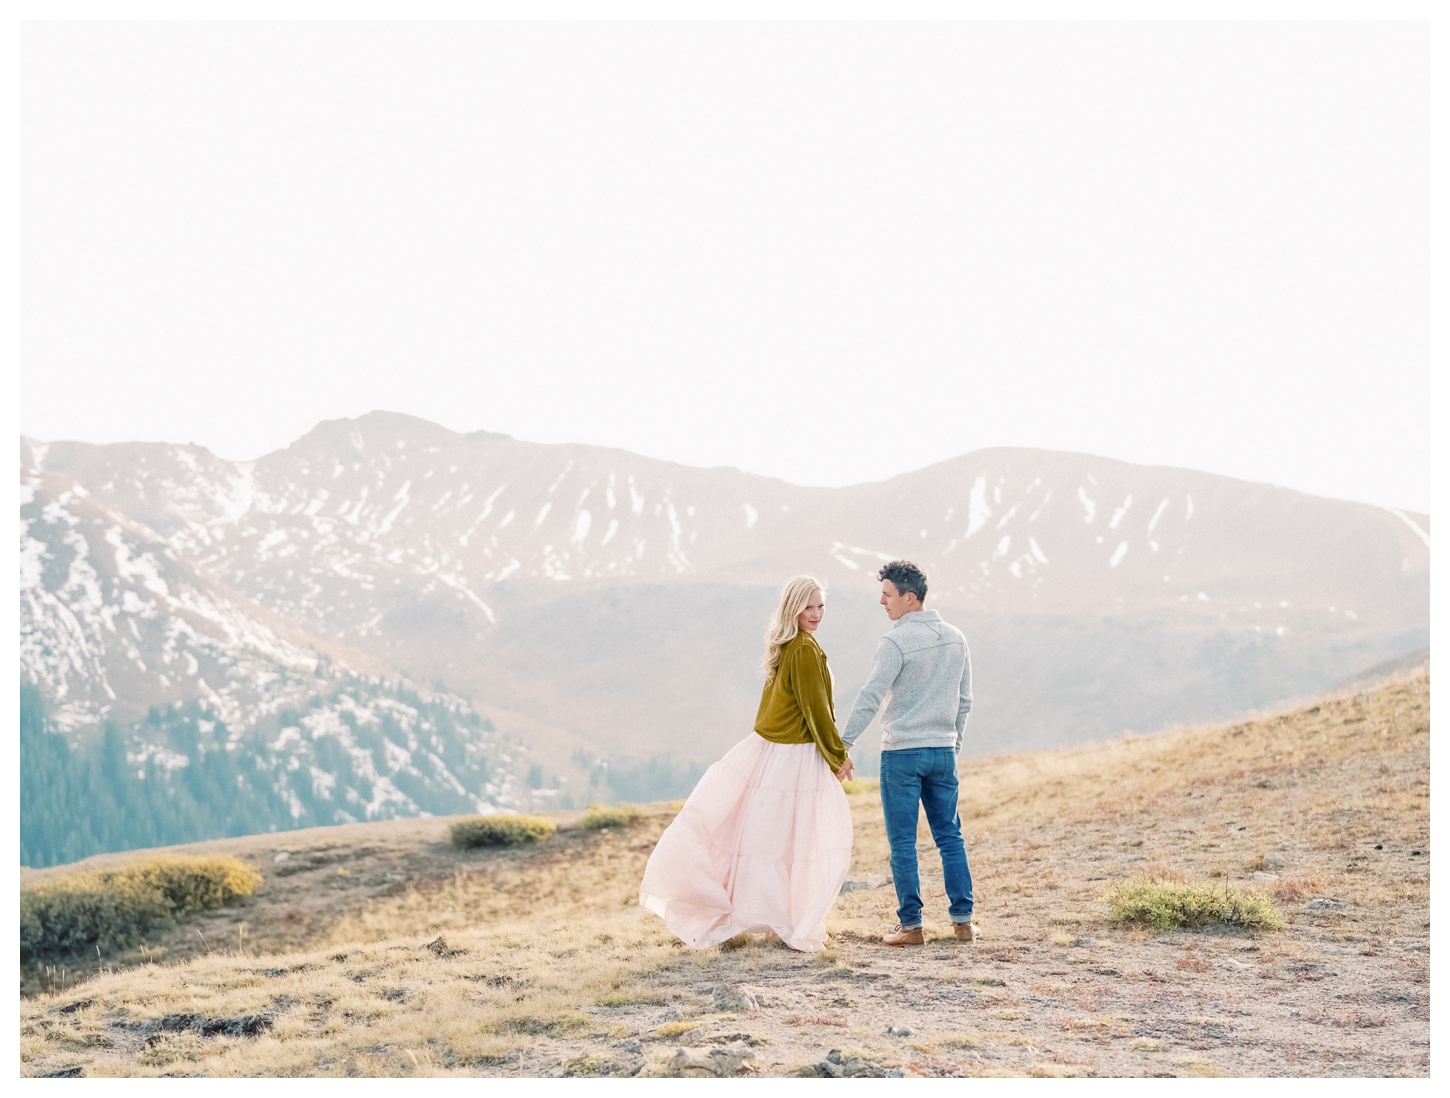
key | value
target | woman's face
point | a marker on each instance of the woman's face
(815, 610)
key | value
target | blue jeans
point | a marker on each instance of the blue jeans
(925, 776)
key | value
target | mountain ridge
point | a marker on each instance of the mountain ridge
(548, 581)
(380, 414)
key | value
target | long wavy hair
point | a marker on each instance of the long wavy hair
(783, 628)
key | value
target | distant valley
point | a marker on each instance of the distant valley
(602, 611)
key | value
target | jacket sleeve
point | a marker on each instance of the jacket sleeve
(884, 670)
(964, 697)
(812, 692)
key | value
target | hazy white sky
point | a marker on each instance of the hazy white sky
(824, 252)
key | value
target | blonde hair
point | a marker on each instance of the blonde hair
(783, 628)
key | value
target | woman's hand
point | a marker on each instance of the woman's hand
(847, 769)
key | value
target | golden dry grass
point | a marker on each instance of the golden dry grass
(547, 966)
(1315, 785)
(397, 1008)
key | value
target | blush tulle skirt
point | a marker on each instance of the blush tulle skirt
(763, 843)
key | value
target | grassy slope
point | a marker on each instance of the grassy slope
(547, 965)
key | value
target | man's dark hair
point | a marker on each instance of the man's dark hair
(905, 577)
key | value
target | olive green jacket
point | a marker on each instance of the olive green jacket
(796, 705)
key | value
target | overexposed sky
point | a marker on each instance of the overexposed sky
(824, 252)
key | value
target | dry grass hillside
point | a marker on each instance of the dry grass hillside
(380, 950)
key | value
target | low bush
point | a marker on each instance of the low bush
(599, 816)
(116, 909)
(500, 830)
(1166, 905)
(861, 785)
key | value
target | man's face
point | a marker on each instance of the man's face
(895, 602)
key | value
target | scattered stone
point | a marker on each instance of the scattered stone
(721, 1063)
(73, 1072)
(750, 1039)
(244, 1025)
(280, 858)
(1326, 905)
(1236, 966)
(1085, 943)
(858, 884)
(79, 1004)
(838, 1066)
(1261, 876)
(630, 1045)
(1275, 861)
(899, 1031)
(736, 998)
(673, 1014)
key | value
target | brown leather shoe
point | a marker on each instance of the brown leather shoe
(903, 936)
(967, 932)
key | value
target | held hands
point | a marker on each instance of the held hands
(847, 769)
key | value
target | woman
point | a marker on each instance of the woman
(764, 841)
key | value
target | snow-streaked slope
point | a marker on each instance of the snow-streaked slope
(1012, 530)
(113, 621)
(364, 519)
(116, 624)
(554, 580)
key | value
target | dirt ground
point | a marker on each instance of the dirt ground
(379, 950)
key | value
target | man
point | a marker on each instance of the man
(924, 668)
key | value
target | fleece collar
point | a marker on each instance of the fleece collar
(916, 616)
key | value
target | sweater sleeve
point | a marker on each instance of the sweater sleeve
(964, 699)
(884, 670)
(812, 692)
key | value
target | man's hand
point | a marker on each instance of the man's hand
(847, 769)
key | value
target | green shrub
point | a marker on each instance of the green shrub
(861, 785)
(500, 830)
(599, 816)
(1169, 904)
(116, 909)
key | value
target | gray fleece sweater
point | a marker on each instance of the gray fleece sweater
(924, 667)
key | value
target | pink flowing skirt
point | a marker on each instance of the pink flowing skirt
(763, 843)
